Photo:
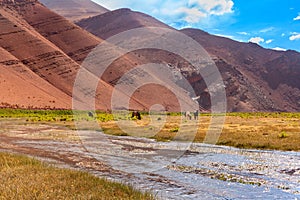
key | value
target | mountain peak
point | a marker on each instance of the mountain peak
(117, 21)
(123, 10)
(75, 10)
(13, 2)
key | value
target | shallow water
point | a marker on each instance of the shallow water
(204, 171)
(166, 169)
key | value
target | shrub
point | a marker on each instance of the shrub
(283, 135)
(174, 130)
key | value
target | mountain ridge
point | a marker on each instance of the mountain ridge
(36, 55)
(75, 10)
(52, 48)
(102, 23)
(40, 45)
(245, 67)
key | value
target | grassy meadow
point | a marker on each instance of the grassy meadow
(26, 178)
(272, 131)
(275, 131)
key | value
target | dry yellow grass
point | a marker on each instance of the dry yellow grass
(26, 178)
(280, 131)
(259, 132)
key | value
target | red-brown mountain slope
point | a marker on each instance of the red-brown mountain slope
(256, 79)
(21, 88)
(71, 39)
(35, 56)
(117, 21)
(52, 47)
(75, 10)
(38, 43)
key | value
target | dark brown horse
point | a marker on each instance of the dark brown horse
(136, 114)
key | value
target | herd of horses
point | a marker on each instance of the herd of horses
(137, 115)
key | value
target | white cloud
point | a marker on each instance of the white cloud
(213, 7)
(269, 41)
(184, 13)
(194, 11)
(297, 18)
(192, 15)
(257, 40)
(295, 36)
(267, 30)
(279, 49)
(283, 34)
(243, 33)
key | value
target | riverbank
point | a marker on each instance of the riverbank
(27, 178)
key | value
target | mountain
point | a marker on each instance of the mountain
(71, 39)
(41, 53)
(256, 79)
(75, 10)
(117, 21)
(37, 72)
(22, 88)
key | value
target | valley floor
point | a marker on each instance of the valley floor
(164, 168)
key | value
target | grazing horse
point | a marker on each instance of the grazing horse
(136, 114)
(188, 115)
(196, 114)
(90, 114)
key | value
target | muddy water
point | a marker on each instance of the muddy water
(166, 169)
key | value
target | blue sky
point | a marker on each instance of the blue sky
(273, 24)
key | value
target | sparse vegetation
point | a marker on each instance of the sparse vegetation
(282, 135)
(54, 115)
(174, 130)
(222, 176)
(26, 178)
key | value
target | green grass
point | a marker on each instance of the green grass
(54, 115)
(283, 135)
(26, 178)
(174, 130)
